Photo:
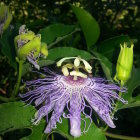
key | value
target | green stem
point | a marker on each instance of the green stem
(105, 129)
(122, 137)
(52, 137)
(19, 78)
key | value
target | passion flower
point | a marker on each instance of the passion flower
(74, 92)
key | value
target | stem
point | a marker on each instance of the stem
(52, 137)
(106, 128)
(19, 78)
(122, 137)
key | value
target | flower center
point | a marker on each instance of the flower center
(69, 80)
(70, 69)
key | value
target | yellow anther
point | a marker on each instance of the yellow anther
(75, 67)
(65, 71)
(77, 73)
(77, 62)
(87, 66)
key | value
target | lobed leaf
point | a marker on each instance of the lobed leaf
(37, 132)
(15, 115)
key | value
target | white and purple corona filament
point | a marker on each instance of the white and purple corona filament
(74, 92)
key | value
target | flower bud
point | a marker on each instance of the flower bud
(5, 17)
(27, 36)
(124, 63)
(28, 46)
(33, 45)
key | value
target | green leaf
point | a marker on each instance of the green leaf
(109, 47)
(93, 133)
(53, 34)
(7, 44)
(107, 66)
(61, 52)
(45, 62)
(88, 24)
(14, 115)
(132, 83)
(37, 132)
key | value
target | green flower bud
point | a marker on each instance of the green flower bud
(124, 63)
(28, 36)
(29, 46)
(5, 17)
(33, 45)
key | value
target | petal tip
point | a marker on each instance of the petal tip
(75, 133)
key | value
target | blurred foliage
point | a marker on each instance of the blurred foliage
(122, 15)
(115, 17)
(118, 16)
(119, 21)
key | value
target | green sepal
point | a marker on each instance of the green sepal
(33, 45)
(28, 36)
